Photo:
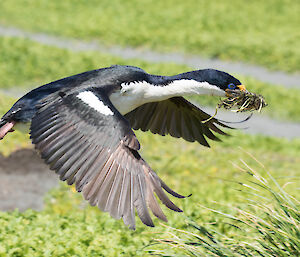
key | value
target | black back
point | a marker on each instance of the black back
(109, 78)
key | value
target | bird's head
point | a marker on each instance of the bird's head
(218, 82)
(222, 80)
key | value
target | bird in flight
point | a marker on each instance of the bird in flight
(82, 126)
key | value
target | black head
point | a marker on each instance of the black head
(126, 73)
(217, 78)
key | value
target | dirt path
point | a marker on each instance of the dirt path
(24, 180)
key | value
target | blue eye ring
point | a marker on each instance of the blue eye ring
(231, 86)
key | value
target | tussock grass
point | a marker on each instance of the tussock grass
(268, 224)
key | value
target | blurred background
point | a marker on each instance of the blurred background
(42, 41)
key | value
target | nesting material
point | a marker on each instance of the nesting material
(242, 101)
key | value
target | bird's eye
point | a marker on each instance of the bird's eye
(231, 86)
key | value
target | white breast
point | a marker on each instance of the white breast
(130, 96)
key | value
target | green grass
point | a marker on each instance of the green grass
(25, 64)
(268, 225)
(260, 32)
(68, 227)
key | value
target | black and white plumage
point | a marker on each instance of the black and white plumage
(82, 127)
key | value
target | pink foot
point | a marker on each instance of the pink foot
(8, 127)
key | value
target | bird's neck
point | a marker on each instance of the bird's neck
(162, 88)
(135, 94)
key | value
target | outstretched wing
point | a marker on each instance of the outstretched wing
(88, 142)
(178, 117)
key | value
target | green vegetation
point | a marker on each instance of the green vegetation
(68, 227)
(261, 32)
(28, 64)
(268, 226)
(73, 234)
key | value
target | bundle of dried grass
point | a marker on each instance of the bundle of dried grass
(243, 101)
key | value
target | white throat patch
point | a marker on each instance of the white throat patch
(135, 94)
(93, 101)
(185, 87)
(190, 87)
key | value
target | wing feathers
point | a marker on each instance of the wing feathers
(187, 132)
(153, 204)
(162, 196)
(140, 201)
(81, 164)
(112, 200)
(59, 149)
(173, 125)
(99, 154)
(41, 134)
(82, 173)
(91, 170)
(178, 117)
(169, 190)
(106, 185)
(123, 188)
(65, 151)
(70, 162)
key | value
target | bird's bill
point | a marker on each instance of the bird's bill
(242, 87)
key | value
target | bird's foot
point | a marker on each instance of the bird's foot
(8, 127)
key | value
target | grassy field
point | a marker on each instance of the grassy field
(259, 32)
(68, 226)
(25, 64)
